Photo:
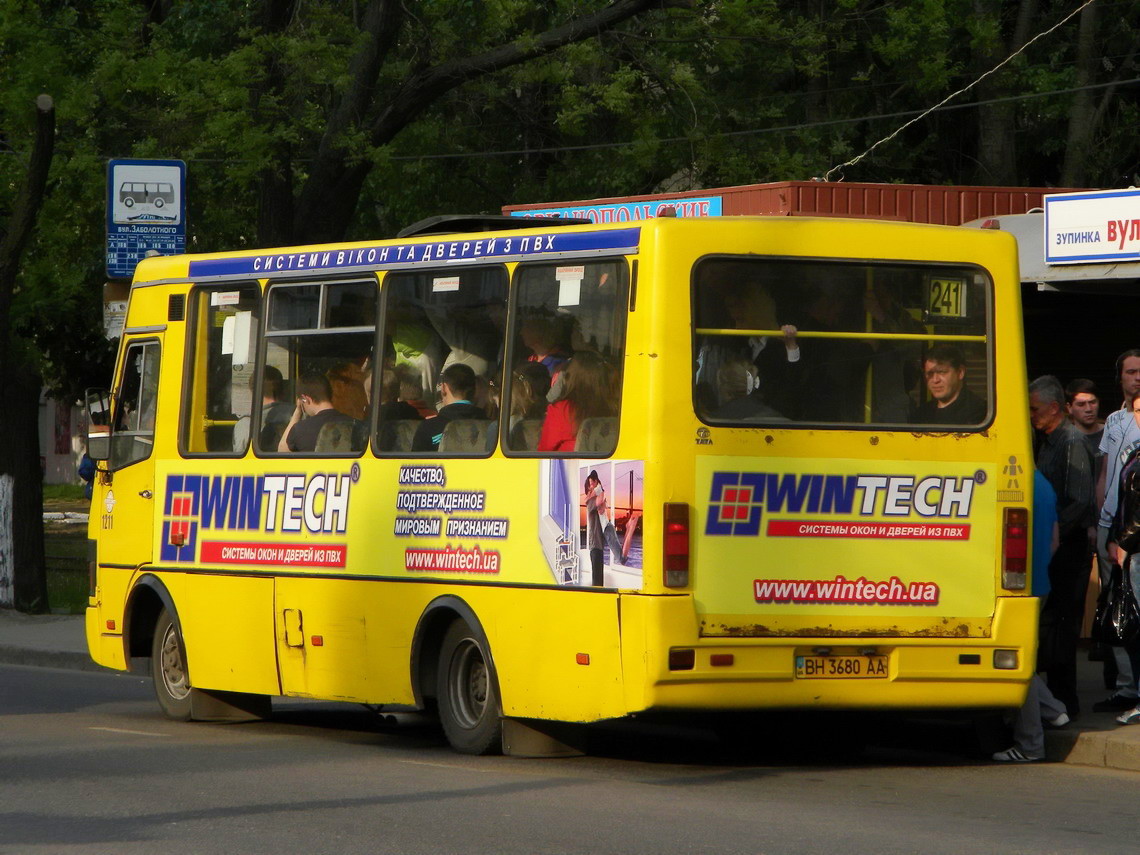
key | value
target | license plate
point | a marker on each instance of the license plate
(841, 667)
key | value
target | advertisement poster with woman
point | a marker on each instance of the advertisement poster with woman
(590, 526)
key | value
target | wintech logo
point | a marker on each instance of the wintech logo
(269, 503)
(738, 500)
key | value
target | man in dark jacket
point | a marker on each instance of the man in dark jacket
(1066, 460)
(456, 388)
(951, 402)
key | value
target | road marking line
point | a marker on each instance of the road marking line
(129, 732)
(438, 765)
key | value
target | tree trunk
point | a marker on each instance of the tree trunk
(23, 577)
(1082, 113)
(23, 582)
(997, 123)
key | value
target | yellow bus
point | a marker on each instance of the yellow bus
(528, 471)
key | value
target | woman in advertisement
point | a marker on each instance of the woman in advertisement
(597, 505)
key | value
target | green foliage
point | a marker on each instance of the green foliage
(721, 92)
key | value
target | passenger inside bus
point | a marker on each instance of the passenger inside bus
(738, 387)
(456, 388)
(590, 392)
(275, 412)
(418, 350)
(528, 394)
(469, 335)
(313, 412)
(951, 402)
(541, 335)
(529, 387)
(833, 370)
(748, 304)
(346, 378)
(398, 416)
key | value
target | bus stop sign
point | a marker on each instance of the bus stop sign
(146, 211)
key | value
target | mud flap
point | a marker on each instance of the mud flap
(529, 738)
(227, 706)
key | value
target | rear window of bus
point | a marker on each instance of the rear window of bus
(792, 342)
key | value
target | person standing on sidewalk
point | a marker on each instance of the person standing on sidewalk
(1121, 537)
(1067, 461)
(1121, 436)
(1041, 709)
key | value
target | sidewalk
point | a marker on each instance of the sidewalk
(47, 641)
(58, 641)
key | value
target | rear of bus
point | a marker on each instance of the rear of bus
(846, 536)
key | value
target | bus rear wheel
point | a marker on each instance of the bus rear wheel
(467, 694)
(168, 669)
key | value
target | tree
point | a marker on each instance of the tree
(312, 95)
(335, 119)
(22, 580)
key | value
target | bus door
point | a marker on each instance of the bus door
(125, 503)
(324, 329)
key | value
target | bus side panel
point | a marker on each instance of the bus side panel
(557, 652)
(227, 630)
(351, 640)
(343, 639)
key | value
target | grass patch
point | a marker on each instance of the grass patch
(65, 554)
(63, 493)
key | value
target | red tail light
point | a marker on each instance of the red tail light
(1015, 549)
(676, 553)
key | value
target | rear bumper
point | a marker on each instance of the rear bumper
(760, 673)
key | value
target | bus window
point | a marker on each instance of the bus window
(569, 321)
(221, 386)
(133, 437)
(884, 345)
(321, 335)
(435, 321)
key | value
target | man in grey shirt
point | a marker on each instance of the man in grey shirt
(1121, 437)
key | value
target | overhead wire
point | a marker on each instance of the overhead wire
(801, 126)
(827, 175)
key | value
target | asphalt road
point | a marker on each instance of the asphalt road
(87, 765)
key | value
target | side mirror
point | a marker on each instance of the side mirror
(98, 403)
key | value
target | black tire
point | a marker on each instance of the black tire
(129, 202)
(158, 203)
(168, 669)
(468, 695)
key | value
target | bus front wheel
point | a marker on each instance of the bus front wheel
(467, 695)
(168, 669)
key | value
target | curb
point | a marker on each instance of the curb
(1115, 748)
(12, 655)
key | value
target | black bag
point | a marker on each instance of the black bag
(1117, 620)
(1126, 527)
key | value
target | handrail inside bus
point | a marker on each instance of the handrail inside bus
(878, 336)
